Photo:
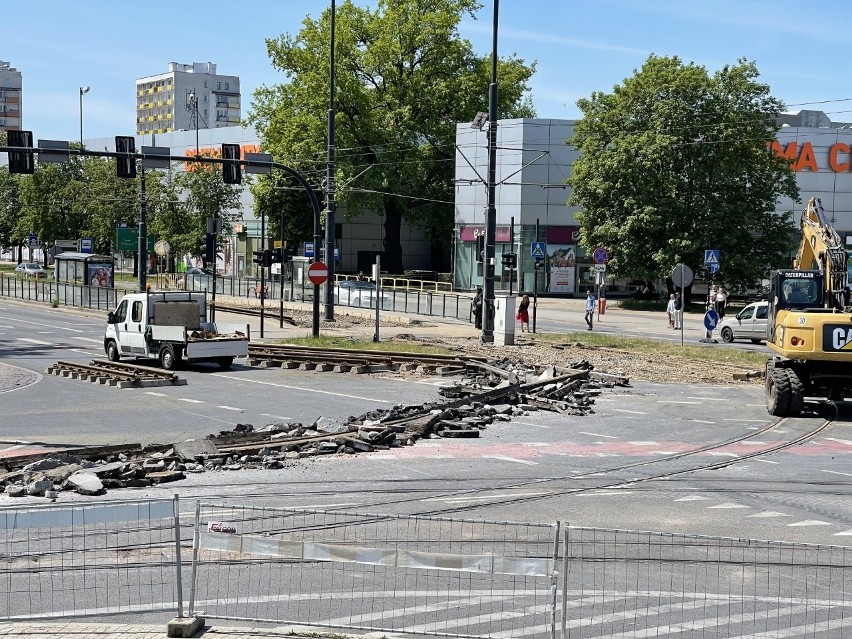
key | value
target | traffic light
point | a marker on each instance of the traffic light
(286, 255)
(277, 256)
(125, 167)
(510, 260)
(480, 248)
(260, 258)
(539, 263)
(21, 161)
(231, 171)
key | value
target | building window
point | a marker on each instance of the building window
(206, 97)
(227, 86)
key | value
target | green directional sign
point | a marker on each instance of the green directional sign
(126, 239)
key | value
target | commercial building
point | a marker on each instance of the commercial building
(533, 162)
(187, 96)
(11, 83)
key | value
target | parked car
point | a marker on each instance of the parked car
(750, 323)
(361, 294)
(198, 279)
(30, 269)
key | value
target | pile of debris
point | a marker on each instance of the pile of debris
(488, 393)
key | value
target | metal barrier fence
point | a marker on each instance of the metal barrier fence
(418, 575)
(90, 560)
(50, 291)
(620, 583)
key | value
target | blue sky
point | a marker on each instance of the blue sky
(581, 46)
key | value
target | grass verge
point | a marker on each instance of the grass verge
(717, 353)
(331, 341)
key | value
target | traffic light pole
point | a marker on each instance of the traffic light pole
(535, 282)
(262, 267)
(142, 246)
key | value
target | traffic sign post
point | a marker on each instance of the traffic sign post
(600, 255)
(318, 273)
(538, 250)
(711, 321)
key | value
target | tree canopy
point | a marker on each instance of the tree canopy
(675, 161)
(404, 79)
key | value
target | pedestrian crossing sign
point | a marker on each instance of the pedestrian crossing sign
(539, 249)
(711, 256)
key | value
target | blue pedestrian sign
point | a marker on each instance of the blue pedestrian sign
(713, 267)
(32, 239)
(538, 250)
(711, 257)
(711, 320)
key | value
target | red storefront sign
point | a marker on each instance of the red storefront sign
(470, 233)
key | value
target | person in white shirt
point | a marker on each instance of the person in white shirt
(721, 302)
(678, 314)
(670, 310)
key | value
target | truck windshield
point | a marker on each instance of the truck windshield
(800, 292)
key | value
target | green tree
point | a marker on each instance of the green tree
(675, 161)
(9, 207)
(404, 79)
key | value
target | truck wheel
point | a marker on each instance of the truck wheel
(225, 362)
(777, 391)
(797, 392)
(727, 334)
(112, 351)
(168, 358)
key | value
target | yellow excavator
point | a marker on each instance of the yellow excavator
(810, 321)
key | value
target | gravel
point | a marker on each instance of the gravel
(12, 377)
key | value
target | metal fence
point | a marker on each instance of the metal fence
(90, 560)
(620, 583)
(61, 293)
(347, 570)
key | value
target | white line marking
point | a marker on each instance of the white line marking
(531, 424)
(728, 506)
(768, 513)
(841, 441)
(711, 399)
(511, 459)
(837, 472)
(191, 401)
(633, 412)
(757, 421)
(664, 452)
(811, 522)
(275, 416)
(483, 497)
(582, 432)
(156, 394)
(692, 498)
(716, 453)
(535, 444)
(761, 405)
(675, 401)
(82, 352)
(643, 443)
(701, 421)
(34, 341)
(230, 408)
(765, 461)
(22, 321)
(299, 388)
(844, 533)
(44, 332)
(87, 339)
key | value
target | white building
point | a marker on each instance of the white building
(533, 162)
(11, 84)
(169, 101)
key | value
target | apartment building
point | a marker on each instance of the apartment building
(10, 97)
(186, 97)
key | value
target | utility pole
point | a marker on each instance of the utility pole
(142, 246)
(491, 214)
(329, 186)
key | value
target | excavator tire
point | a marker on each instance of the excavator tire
(778, 393)
(797, 393)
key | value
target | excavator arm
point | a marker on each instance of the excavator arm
(821, 249)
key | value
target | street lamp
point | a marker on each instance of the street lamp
(83, 91)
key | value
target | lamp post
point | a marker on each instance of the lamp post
(491, 212)
(83, 91)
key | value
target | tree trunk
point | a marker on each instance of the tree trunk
(392, 256)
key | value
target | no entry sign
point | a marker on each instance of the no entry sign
(318, 273)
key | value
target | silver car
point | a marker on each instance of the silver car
(361, 294)
(750, 323)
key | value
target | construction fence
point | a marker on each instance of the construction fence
(418, 575)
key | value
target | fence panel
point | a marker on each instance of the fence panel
(417, 575)
(620, 583)
(89, 560)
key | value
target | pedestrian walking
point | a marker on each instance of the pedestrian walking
(523, 315)
(721, 302)
(590, 308)
(678, 314)
(670, 310)
(476, 307)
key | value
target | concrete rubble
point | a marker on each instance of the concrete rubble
(485, 394)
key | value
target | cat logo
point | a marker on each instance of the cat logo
(841, 338)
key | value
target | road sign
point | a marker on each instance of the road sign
(538, 250)
(600, 268)
(713, 267)
(711, 320)
(682, 275)
(87, 245)
(318, 273)
(711, 257)
(600, 256)
(32, 239)
(126, 240)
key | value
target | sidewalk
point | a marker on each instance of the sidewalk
(82, 630)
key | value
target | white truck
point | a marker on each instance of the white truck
(170, 327)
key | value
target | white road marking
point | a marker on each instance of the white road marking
(230, 408)
(21, 321)
(633, 412)
(664, 452)
(837, 472)
(156, 394)
(191, 401)
(675, 401)
(758, 421)
(531, 424)
(716, 453)
(582, 432)
(38, 342)
(44, 332)
(765, 461)
(692, 498)
(768, 513)
(761, 405)
(811, 522)
(275, 416)
(844, 533)
(535, 444)
(753, 442)
(643, 443)
(841, 441)
(702, 421)
(727, 506)
(711, 399)
(462, 498)
(87, 339)
(511, 459)
(82, 352)
(300, 388)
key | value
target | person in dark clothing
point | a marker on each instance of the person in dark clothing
(476, 305)
(523, 315)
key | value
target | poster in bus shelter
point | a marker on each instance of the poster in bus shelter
(99, 274)
(562, 264)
